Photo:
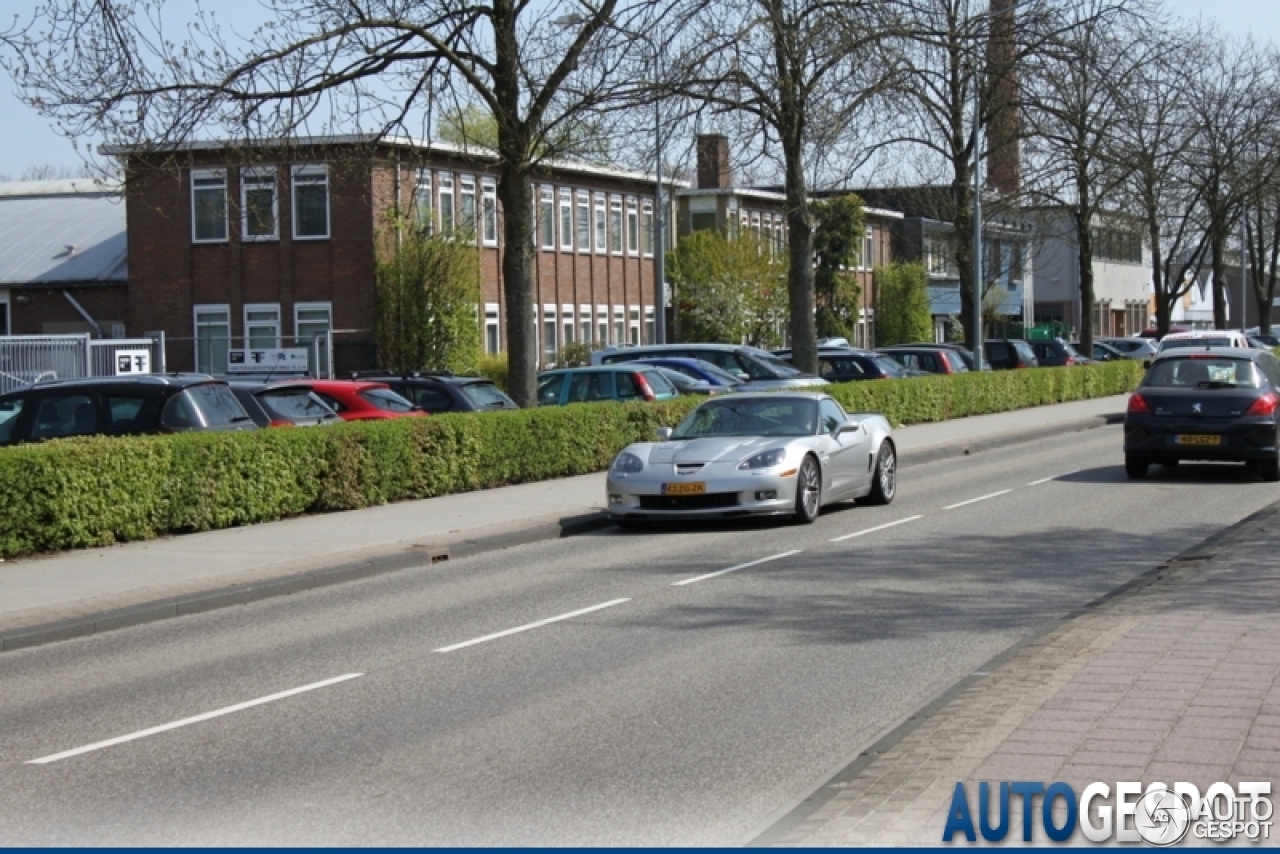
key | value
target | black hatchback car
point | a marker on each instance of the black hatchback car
(1007, 354)
(119, 406)
(436, 393)
(1215, 405)
(276, 404)
(1056, 353)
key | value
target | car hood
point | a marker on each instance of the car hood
(721, 448)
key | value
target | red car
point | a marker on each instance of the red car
(362, 401)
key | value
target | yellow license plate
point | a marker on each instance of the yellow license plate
(694, 488)
(1198, 439)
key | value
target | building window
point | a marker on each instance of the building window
(634, 325)
(468, 202)
(619, 325)
(602, 228)
(646, 229)
(262, 326)
(566, 220)
(584, 221)
(702, 220)
(547, 218)
(492, 338)
(869, 250)
(422, 207)
(602, 325)
(213, 338)
(310, 202)
(489, 213)
(615, 225)
(258, 206)
(311, 320)
(633, 226)
(649, 334)
(445, 202)
(757, 227)
(567, 322)
(584, 322)
(549, 348)
(208, 205)
(938, 258)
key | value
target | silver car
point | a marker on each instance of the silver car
(747, 454)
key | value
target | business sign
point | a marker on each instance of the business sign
(279, 360)
(131, 362)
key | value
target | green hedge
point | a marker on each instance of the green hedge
(76, 493)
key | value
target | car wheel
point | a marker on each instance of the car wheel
(1268, 470)
(884, 480)
(1135, 466)
(808, 491)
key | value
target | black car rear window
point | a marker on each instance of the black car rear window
(295, 404)
(386, 400)
(486, 395)
(210, 406)
(1216, 372)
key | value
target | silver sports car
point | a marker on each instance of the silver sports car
(755, 454)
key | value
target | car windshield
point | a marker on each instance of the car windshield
(766, 366)
(386, 400)
(296, 403)
(209, 406)
(1203, 373)
(718, 374)
(681, 381)
(889, 366)
(486, 396)
(756, 417)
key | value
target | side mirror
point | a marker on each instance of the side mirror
(742, 375)
(849, 426)
(664, 433)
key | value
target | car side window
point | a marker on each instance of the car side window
(928, 363)
(626, 386)
(549, 390)
(332, 402)
(131, 413)
(588, 386)
(658, 383)
(431, 399)
(9, 412)
(65, 415)
(831, 415)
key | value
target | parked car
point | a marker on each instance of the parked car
(697, 369)
(842, 365)
(1101, 352)
(686, 384)
(361, 400)
(752, 364)
(273, 404)
(437, 393)
(1153, 333)
(966, 355)
(778, 453)
(1056, 353)
(1006, 354)
(933, 359)
(119, 406)
(1218, 405)
(1270, 339)
(606, 382)
(1131, 348)
(1203, 340)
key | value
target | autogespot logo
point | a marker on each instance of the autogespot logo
(1156, 814)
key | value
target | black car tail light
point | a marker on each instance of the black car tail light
(1138, 405)
(1265, 405)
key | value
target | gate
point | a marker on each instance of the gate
(26, 359)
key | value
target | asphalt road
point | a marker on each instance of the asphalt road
(661, 707)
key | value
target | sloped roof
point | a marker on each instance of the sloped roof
(62, 232)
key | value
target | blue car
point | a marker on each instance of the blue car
(696, 369)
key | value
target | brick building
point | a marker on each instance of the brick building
(270, 244)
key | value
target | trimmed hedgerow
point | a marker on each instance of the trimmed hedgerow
(94, 491)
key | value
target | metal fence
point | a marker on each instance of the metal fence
(26, 359)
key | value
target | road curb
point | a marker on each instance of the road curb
(163, 608)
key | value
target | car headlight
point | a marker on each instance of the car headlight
(764, 459)
(627, 463)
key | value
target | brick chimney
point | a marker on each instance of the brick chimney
(713, 162)
(1004, 163)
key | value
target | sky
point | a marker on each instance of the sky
(26, 139)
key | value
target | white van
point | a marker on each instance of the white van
(1208, 339)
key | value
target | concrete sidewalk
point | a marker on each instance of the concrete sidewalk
(1175, 677)
(53, 597)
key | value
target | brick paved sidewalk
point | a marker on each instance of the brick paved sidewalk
(1174, 678)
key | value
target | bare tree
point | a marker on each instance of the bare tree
(797, 75)
(1235, 104)
(110, 67)
(1071, 106)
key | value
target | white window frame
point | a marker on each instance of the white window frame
(582, 221)
(648, 230)
(633, 324)
(196, 310)
(422, 190)
(307, 175)
(868, 259)
(444, 191)
(632, 226)
(550, 324)
(259, 176)
(489, 211)
(586, 324)
(566, 219)
(602, 325)
(617, 226)
(568, 325)
(210, 175)
(249, 325)
(300, 307)
(618, 333)
(756, 227)
(467, 190)
(600, 224)
(492, 327)
(650, 325)
(547, 217)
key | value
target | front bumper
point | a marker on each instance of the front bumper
(639, 497)
(1154, 437)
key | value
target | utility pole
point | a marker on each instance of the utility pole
(977, 226)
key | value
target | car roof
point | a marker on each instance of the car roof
(392, 377)
(177, 380)
(336, 385)
(613, 367)
(1231, 352)
(772, 395)
(1202, 333)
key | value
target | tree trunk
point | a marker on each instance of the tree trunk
(1218, 246)
(1084, 262)
(970, 295)
(802, 325)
